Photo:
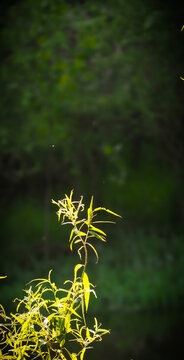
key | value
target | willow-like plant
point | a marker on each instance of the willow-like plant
(50, 322)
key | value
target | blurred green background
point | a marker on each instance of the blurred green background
(91, 99)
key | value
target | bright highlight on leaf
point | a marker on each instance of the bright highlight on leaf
(86, 289)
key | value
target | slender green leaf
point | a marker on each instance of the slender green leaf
(71, 234)
(96, 229)
(77, 267)
(87, 333)
(73, 311)
(97, 236)
(90, 210)
(82, 354)
(107, 210)
(86, 285)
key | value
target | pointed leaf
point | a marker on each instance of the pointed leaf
(63, 357)
(82, 354)
(86, 285)
(98, 230)
(54, 202)
(71, 194)
(107, 210)
(71, 234)
(97, 236)
(90, 210)
(74, 356)
(73, 311)
(77, 267)
(87, 333)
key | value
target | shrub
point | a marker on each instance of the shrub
(50, 322)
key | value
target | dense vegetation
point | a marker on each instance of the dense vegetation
(91, 99)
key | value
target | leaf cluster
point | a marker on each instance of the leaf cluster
(50, 322)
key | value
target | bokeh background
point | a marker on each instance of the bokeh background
(92, 100)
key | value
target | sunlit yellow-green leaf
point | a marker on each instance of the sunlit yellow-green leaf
(107, 210)
(71, 244)
(77, 267)
(67, 323)
(62, 343)
(98, 236)
(71, 234)
(49, 275)
(71, 194)
(87, 333)
(59, 214)
(86, 285)
(74, 312)
(25, 325)
(79, 222)
(98, 230)
(96, 323)
(73, 356)
(90, 210)
(67, 281)
(18, 318)
(69, 200)
(79, 235)
(63, 357)
(82, 354)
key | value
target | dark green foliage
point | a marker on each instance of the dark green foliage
(100, 77)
